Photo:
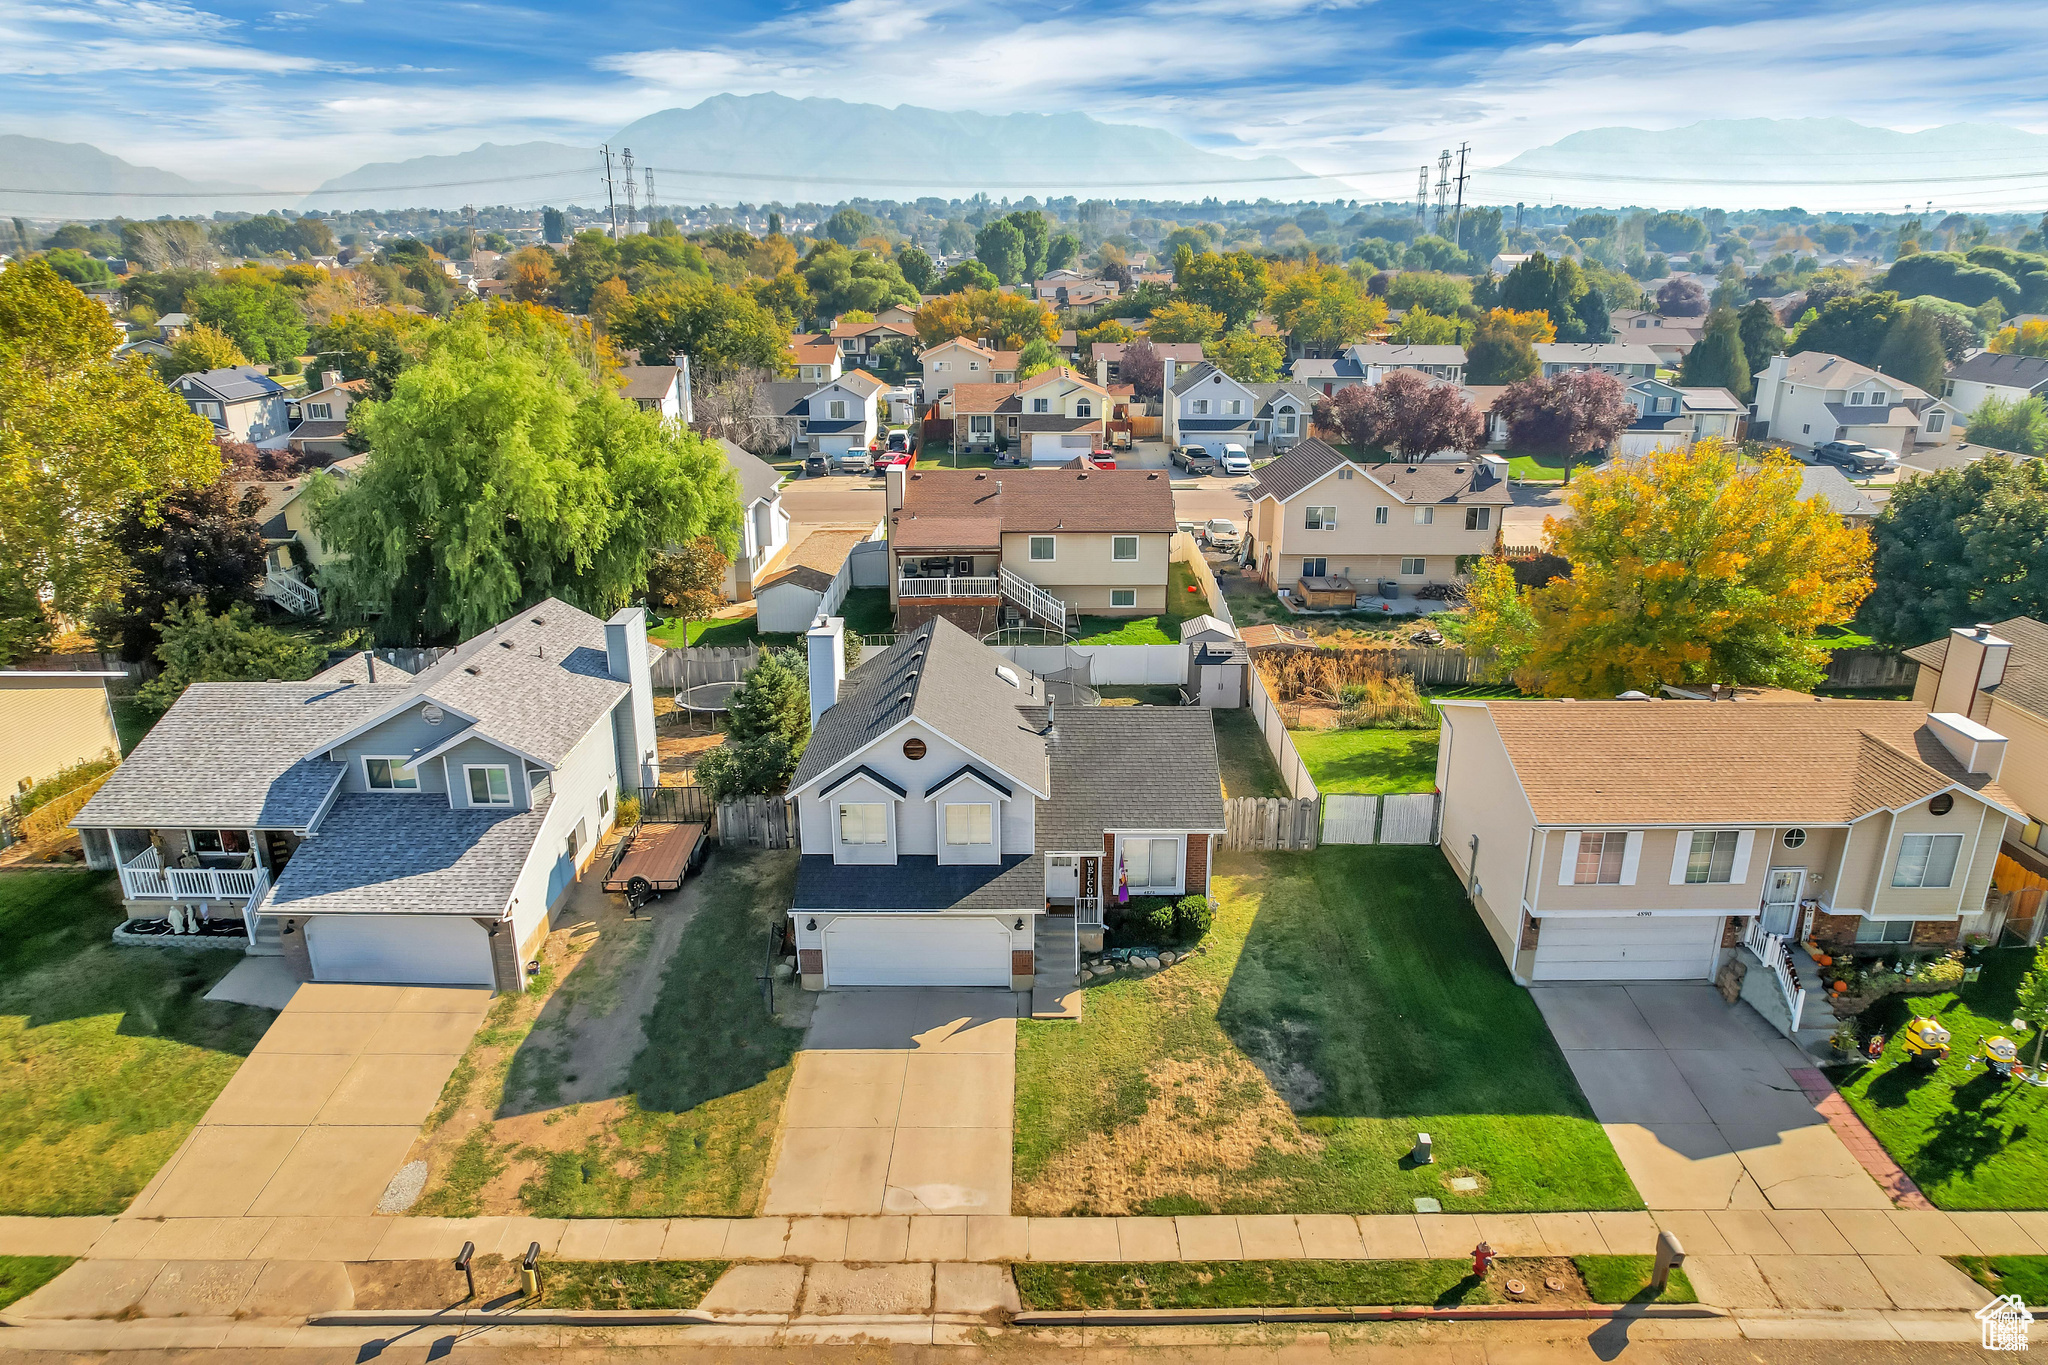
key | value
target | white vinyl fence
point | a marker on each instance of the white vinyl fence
(1407, 818)
(1292, 770)
(1110, 665)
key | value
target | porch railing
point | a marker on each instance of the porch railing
(1771, 951)
(1088, 912)
(144, 877)
(291, 592)
(1033, 600)
(949, 587)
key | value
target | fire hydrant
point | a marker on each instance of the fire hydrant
(1482, 1261)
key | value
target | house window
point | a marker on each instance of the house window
(1200, 407)
(1315, 568)
(965, 824)
(1795, 838)
(489, 785)
(1935, 422)
(390, 775)
(1884, 931)
(1321, 519)
(1425, 516)
(1123, 597)
(838, 406)
(863, 823)
(320, 411)
(1927, 859)
(1414, 568)
(1152, 864)
(1287, 429)
(1712, 858)
(1344, 476)
(1041, 547)
(980, 426)
(1123, 547)
(1083, 408)
(1855, 400)
(1600, 859)
(1379, 514)
(604, 804)
(1041, 405)
(1478, 518)
(938, 365)
(219, 841)
(973, 364)
(1806, 428)
(208, 410)
(1235, 407)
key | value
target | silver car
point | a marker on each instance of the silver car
(1220, 532)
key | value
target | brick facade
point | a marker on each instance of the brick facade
(1198, 865)
(1532, 930)
(1936, 933)
(1838, 933)
(1731, 930)
(1834, 931)
(1021, 962)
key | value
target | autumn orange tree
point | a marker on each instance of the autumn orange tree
(1009, 320)
(1690, 566)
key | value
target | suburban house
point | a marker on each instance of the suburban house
(1316, 515)
(1997, 675)
(814, 361)
(979, 414)
(663, 390)
(1670, 417)
(982, 547)
(293, 549)
(319, 419)
(369, 826)
(1109, 357)
(833, 418)
(1670, 338)
(857, 341)
(958, 829)
(764, 525)
(960, 361)
(1206, 407)
(1627, 359)
(1504, 262)
(896, 315)
(1059, 414)
(50, 719)
(1851, 503)
(1368, 362)
(242, 402)
(1811, 398)
(1993, 374)
(1633, 840)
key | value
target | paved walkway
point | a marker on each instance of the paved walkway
(1699, 1100)
(902, 1102)
(320, 1117)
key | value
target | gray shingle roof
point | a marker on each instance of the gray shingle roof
(787, 397)
(1301, 466)
(1128, 767)
(947, 679)
(920, 882)
(397, 853)
(1397, 354)
(2027, 372)
(648, 381)
(1317, 370)
(236, 384)
(1594, 353)
(758, 479)
(228, 756)
(1829, 482)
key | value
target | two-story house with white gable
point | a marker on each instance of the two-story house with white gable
(1994, 374)
(1812, 398)
(242, 402)
(1626, 359)
(957, 827)
(1317, 515)
(840, 416)
(1636, 840)
(1206, 407)
(370, 826)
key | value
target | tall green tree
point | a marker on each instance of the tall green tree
(917, 269)
(1234, 284)
(502, 471)
(229, 647)
(843, 281)
(1853, 327)
(1555, 287)
(198, 544)
(1718, 361)
(261, 316)
(1762, 336)
(1498, 353)
(1960, 546)
(1000, 247)
(1247, 357)
(200, 348)
(84, 441)
(1912, 350)
(1037, 357)
(2016, 424)
(721, 330)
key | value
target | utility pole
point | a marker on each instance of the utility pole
(1458, 220)
(631, 188)
(1443, 189)
(611, 204)
(1421, 197)
(649, 173)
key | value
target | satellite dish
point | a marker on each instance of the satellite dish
(431, 714)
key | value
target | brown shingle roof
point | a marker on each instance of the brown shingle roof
(648, 381)
(980, 398)
(813, 561)
(1040, 500)
(2025, 683)
(1725, 763)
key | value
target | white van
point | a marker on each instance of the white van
(1235, 461)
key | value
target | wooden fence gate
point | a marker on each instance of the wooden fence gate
(1257, 824)
(755, 822)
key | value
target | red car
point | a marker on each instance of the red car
(901, 457)
(1102, 459)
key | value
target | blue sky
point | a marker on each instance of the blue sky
(288, 92)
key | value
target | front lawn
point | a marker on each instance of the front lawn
(1346, 999)
(1369, 762)
(679, 1115)
(1248, 766)
(942, 457)
(1968, 1140)
(1537, 468)
(21, 1276)
(2026, 1276)
(108, 1056)
(1444, 1283)
(1164, 629)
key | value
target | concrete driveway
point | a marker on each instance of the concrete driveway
(1695, 1095)
(320, 1116)
(902, 1102)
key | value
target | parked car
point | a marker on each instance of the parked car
(1193, 459)
(1193, 528)
(1235, 460)
(1102, 459)
(1220, 532)
(816, 466)
(890, 459)
(1854, 456)
(855, 461)
(899, 440)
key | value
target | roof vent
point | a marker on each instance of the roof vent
(504, 644)
(540, 620)
(979, 477)
(1632, 695)
(432, 715)
(1008, 675)
(474, 670)
(904, 699)
(1153, 475)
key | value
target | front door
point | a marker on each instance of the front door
(1062, 878)
(1781, 899)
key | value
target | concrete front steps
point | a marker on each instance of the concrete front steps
(1817, 1020)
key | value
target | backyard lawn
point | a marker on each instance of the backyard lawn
(1969, 1140)
(1369, 762)
(866, 611)
(1148, 630)
(1347, 999)
(1537, 467)
(1248, 767)
(108, 1056)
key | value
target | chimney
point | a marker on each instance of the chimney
(892, 485)
(825, 642)
(329, 378)
(370, 663)
(689, 408)
(1102, 370)
(1166, 403)
(625, 657)
(1975, 663)
(1978, 749)
(1492, 470)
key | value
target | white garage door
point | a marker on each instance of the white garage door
(916, 950)
(1626, 948)
(427, 950)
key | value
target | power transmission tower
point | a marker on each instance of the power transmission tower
(632, 187)
(1443, 189)
(1458, 219)
(649, 173)
(469, 216)
(611, 203)
(1421, 197)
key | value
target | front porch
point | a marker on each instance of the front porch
(196, 875)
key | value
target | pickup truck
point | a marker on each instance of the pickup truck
(1193, 459)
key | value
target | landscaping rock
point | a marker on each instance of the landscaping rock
(1166, 959)
(1151, 964)
(405, 1188)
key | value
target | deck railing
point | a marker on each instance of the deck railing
(948, 587)
(1033, 600)
(293, 593)
(1088, 912)
(144, 877)
(1770, 950)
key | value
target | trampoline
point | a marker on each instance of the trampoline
(699, 706)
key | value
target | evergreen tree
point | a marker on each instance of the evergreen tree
(1912, 350)
(1718, 361)
(1762, 337)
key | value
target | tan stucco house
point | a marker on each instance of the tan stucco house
(51, 719)
(1632, 840)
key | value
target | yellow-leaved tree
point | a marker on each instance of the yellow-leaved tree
(1693, 566)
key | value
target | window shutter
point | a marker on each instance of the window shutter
(1739, 873)
(1567, 866)
(1630, 856)
(1681, 852)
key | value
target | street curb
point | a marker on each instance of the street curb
(1163, 1317)
(513, 1317)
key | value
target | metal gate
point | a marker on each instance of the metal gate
(1408, 819)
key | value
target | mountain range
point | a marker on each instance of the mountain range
(89, 183)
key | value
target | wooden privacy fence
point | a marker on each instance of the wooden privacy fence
(1253, 824)
(1870, 668)
(1403, 818)
(756, 822)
